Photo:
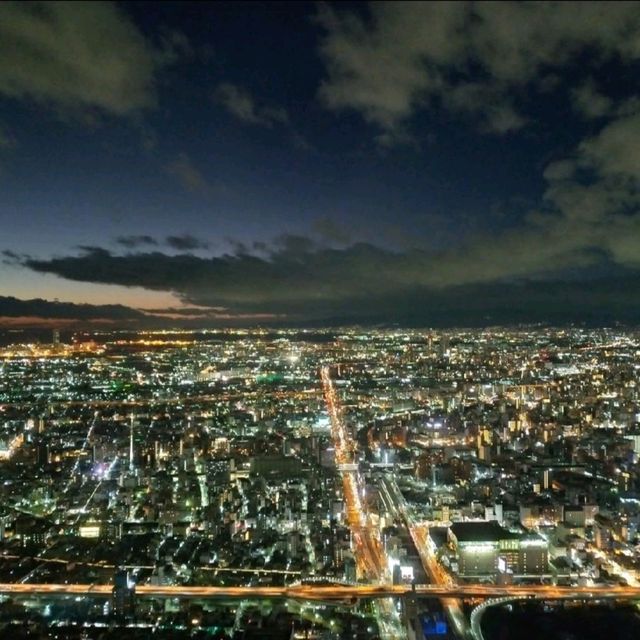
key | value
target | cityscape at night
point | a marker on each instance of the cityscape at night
(319, 320)
(317, 483)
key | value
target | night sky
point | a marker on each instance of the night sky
(413, 163)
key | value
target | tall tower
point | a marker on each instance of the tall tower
(133, 417)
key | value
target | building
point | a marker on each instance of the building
(603, 532)
(123, 595)
(30, 530)
(485, 548)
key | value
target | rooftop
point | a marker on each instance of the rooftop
(486, 531)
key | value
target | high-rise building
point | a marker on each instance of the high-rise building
(123, 595)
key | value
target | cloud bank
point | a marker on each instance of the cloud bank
(11, 307)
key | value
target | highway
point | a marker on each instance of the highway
(336, 592)
(370, 557)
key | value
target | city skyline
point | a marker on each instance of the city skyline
(422, 164)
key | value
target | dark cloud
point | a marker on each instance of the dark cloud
(47, 314)
(243, 106)
(590, 102)
(600, 302)
(76, 55)
(258, 247)
(186, 242)
(292, 246)
(184, 312)
(331, 231)
(7, 141)
(189, 175)
(239, 248)
(38, 308)
(297, 279)
(132, 242)
(291, 275)
(11, 257)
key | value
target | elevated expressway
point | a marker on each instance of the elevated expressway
(335, 592)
